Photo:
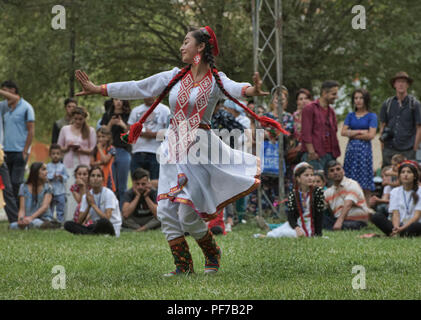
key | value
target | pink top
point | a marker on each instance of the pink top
(71, 158)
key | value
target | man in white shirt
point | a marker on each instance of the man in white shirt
(145, 148)
(346, 201)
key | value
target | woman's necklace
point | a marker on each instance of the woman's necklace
(407, 203)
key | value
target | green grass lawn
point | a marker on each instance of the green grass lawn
(131, 267)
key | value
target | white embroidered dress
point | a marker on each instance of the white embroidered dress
(196, 167)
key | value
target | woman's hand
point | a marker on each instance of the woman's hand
(256, 90)
(88, 86)
(90, 199)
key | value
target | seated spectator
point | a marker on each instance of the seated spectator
(78, 189)
(381, 205)
(139, 203)
(57, 176)
(345, 200)
(391, 175)
(102, 205)
(305, 207)
(34, 200)
(319, 179)
(405, 205)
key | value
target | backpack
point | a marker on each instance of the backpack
(412, 101)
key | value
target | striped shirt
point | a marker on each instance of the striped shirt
(348, 189)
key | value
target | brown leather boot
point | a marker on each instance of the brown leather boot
(211, 251)
(182, 257)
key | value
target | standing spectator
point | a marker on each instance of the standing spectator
(19, 128)
(346, 201)
(405, 205)
(360, 127)
(244, 121)
(8, 196)
(77, 141)
(57, 176)
(287, 118)
(34, 200)
(302, 98)
(319, 126)
(103, 156)
(116, 121)
(69, 105)
(221, 120)
(400, 121)
(145, 148)
(139, 204)
(102, 205)
(260, 110)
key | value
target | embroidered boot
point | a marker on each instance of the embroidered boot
(211, 251)
(182, 257)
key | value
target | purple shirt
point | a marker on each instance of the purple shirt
(315, 126)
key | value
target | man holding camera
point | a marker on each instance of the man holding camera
(400, 121)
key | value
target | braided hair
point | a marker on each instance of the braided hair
(414, 169)
(208, 57)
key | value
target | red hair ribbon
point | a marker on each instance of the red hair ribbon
(410, 162)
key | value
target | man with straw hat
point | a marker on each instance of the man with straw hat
(400, 121)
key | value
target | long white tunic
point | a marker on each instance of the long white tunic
(211, 174)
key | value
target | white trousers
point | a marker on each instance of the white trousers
(177, 218)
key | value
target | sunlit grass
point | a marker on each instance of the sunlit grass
(131, 267)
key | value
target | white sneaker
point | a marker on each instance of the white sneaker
(228, 227)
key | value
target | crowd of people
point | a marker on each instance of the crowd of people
(61, 193)
(83, 189)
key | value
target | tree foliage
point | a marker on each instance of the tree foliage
(132, 39)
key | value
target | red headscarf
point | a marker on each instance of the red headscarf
(212, 41)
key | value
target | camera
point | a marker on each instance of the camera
(386, 135)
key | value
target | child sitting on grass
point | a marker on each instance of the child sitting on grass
(79, 189)
(391, 175)
(305, 207)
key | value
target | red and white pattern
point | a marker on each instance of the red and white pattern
(183, 128)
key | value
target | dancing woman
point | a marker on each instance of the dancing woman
(188, 192)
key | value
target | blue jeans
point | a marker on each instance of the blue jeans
(121, 167)
(146, 161)
(59, 202)
(319, 164)
(16, 165)
(36, 223)
(11, 205)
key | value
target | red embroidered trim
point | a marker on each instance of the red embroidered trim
(204, 215)
(183, 129)
(300, 211)
(104, 91)
(207, 217)
(243, 91)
